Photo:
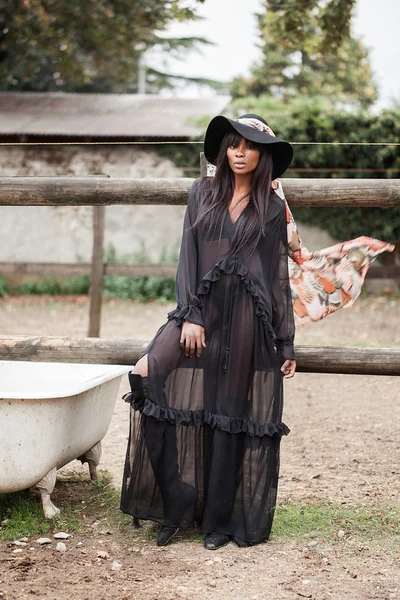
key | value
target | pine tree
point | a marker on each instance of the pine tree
(308, 49)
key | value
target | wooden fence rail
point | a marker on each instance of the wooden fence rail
(78, 191)
(136, 269)
(310, 359)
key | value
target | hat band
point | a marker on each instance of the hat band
(256, 124)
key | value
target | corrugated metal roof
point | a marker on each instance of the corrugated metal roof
(104, 115)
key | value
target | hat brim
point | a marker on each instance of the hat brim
(282, 151)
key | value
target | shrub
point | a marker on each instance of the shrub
(79, 284)
(3, 287)
(46, 286)
(73, 285)
(139, 288)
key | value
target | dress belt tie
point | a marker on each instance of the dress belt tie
(226, 358)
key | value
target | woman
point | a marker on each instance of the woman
(209, 386)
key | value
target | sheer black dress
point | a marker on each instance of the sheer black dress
(203, 446)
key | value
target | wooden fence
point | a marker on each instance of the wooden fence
(311, 359)
(100, 191)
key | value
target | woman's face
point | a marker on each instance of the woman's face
(243, 156)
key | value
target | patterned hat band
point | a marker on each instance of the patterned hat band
(256, 124)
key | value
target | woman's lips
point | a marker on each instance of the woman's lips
(239, 165)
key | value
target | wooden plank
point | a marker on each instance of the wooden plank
(97, 272)
(69, 269)
(138, 269)
(80, 191)
(76, 350)
(48, 269)
(310, 359)
(143, 270)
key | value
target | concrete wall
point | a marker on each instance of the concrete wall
(64, 234)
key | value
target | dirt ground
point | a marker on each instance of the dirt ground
(343, 448)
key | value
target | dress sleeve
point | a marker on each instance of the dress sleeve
(282, 307)
(189, 306)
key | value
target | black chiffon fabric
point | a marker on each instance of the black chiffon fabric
(204, 444)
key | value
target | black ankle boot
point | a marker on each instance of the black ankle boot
(242, 543)
(137, 396)
(166, 534)
(215, 540)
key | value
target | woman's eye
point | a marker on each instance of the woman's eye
(232, 146)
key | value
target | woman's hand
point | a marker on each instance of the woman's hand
(192, 339)
(288, 368)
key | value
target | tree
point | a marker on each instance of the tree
(308, 49)
(48, 45)
(333, 16)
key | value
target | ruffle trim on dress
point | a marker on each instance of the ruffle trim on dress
(191, 312)
(204, 417)
(237, 267)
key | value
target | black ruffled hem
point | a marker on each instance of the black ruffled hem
(203, 417)
(236, 266)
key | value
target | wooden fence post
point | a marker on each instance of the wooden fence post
(96, 279)
(205, 167)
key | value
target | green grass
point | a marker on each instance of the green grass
(88, 507)
(323, 521)
(81, 501)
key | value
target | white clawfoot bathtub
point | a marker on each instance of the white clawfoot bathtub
(50, 414)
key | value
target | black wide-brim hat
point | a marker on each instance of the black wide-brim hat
(253, 128)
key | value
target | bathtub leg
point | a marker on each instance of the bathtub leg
(92, 457)
(45, 487)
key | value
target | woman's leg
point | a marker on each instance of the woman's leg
(161, 445)
(142, 366)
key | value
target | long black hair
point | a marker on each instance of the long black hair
(218, 192)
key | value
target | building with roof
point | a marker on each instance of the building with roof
(44, 115)
(65, 233)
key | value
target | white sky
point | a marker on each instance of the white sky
(234, 31)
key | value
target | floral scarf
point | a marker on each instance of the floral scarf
(324, 280)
